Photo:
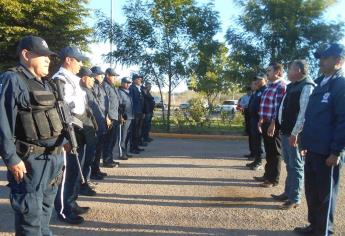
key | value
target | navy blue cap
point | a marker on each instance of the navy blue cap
(111, 71)
(34, 44)
(125, 80)
(72, 52)
(333, 49)
(84, 71)
(96, 70)
(136, 76)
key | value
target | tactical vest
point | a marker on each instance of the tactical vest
(41, 120)
(291, 105)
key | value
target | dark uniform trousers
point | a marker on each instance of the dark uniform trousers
(109, 143)
(68, 190)
(32, 199)
(273, 154)
(255, 140)
(321, 189)
(136, 130)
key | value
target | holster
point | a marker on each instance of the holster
(24, 149)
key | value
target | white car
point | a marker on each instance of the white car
(228, 106)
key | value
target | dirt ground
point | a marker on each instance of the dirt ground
(182, 187)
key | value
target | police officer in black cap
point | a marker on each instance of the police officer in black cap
(323, 142)
(112, 113)
(30, 137)
(65, 203)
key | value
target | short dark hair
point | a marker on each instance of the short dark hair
(277, 66)
(302, 65)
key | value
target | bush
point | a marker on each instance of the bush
(196, 110)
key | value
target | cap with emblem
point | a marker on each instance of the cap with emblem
(333, 49)
(111, 71)
(136, 76)
(96, 70)
(34, 44)
(125, 80)
(84, 71)
(72, 52)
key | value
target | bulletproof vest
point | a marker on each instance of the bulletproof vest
(41, 120)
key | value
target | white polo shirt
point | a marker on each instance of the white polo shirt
(73, 92)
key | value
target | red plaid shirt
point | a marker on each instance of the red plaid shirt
(271, 99)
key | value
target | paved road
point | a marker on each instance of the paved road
(181, 187)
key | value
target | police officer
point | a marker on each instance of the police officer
(65, 203)
(149, 105)
(253, 112)
(112, 112)
(30, 137)
(138, 108)
(127, 102)
(323, 142)
(101, 117)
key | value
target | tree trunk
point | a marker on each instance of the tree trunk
(169, 103)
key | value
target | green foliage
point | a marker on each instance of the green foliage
(59, 22)
(160, 36)
(271, 30)
(196, 110)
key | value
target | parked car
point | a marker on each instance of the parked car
(227, 106)
(158, 102)
(184, 106)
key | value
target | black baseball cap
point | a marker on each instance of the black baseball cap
(333, 49)
(84, 71)
(72, 52)
(96, 70)
(125, 80)
(34, 44)
(136, 76)
(111, 71)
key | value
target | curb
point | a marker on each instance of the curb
(199, 136)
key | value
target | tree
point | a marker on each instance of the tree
(157, 36)
(59, 22)
(271, 30)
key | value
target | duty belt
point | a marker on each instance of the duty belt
(24, 149)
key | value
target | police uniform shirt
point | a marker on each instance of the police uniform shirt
(73, 93)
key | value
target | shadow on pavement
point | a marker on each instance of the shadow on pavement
(93, 228)
(191, 166)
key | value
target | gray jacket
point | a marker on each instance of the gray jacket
(126, 99)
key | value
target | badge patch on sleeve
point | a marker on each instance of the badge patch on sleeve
(325, 98)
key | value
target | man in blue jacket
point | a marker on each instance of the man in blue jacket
(323, 142)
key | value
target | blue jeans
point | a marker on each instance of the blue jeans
(295, 170)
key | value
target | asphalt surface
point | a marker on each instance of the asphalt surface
(181, 187)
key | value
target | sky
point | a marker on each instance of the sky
(227, 9)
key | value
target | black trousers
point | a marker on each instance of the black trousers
(321, 190)
(136, 130)
(273, 154)
(255, 139)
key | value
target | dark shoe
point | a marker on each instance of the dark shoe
(134, 151)
(257, 166)
(289, 205)
(260, 179)
(140, 149)
(72, 219)
(96, 176)
(123, 157)
(282, 197)
(143, 144)
(102, 173)
(86, 190)
(111, 164)
(308, 230)
(268, 184)
(148, 140)
(129, 155)
(80, 210)
(251, 164)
